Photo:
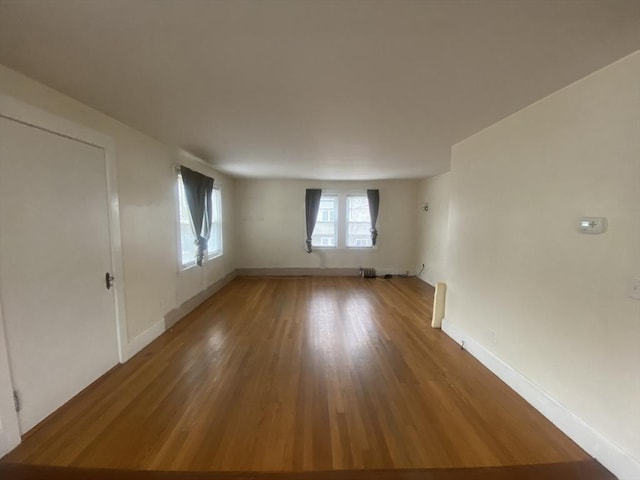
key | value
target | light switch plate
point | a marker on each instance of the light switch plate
(592, 225)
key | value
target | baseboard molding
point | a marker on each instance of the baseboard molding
(143, 339)
(298, 272)
(172, 317)
(177, 314)
(426, 280)
(620, 462)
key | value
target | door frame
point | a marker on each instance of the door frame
(21, 112)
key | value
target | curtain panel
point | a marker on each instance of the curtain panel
(312, 205)
(374, 203)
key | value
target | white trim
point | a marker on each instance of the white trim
(186, 266)
(24, 113)
(35, 117)
(314, 271)
(425, 280)
(145, 338)
(183, 154)
(117, 265)
(428, 278)
(620, 462)
(298, 272)
(213, 255)
(174, 316)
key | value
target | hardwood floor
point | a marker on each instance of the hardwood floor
(301, 374)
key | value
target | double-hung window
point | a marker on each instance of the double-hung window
(187, 247)
(325, 234)
(343, 221)
(358, 221)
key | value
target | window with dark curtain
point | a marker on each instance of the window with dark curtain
(197, 191)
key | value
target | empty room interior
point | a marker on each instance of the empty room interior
(309, 239)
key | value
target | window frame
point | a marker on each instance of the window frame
(342, 228)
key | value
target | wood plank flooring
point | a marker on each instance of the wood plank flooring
(301, 374)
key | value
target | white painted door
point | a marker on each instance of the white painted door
(54, 253)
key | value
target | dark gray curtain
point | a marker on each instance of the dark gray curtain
(311, 205)
(197, 189)
(374, 203)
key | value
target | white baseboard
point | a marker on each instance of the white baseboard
(313, 272)
(143, 339)
(174, 316)
(427, 281)
(431, 280)
(298, 272)
(620, 462)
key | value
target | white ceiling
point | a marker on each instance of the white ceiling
(314, 89)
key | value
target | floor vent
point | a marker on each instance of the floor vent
(368, 272)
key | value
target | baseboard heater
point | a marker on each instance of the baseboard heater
(367, 272)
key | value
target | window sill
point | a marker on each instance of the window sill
(187, 266)
(191, 265)
(213, 256)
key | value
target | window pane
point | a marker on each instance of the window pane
(187, 248)
(358, 209)
(325, 234)
(186, 244)
(359, 228)
(215, 240)
(358, 222)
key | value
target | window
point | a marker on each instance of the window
(358, 222)
(343, 221)
(187, 247)
(326, 232)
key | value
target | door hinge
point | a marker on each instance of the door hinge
(16, 401)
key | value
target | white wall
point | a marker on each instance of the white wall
(146, 184)
(154, 285)
(433, 227)
(550, 302)
(271, 226)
